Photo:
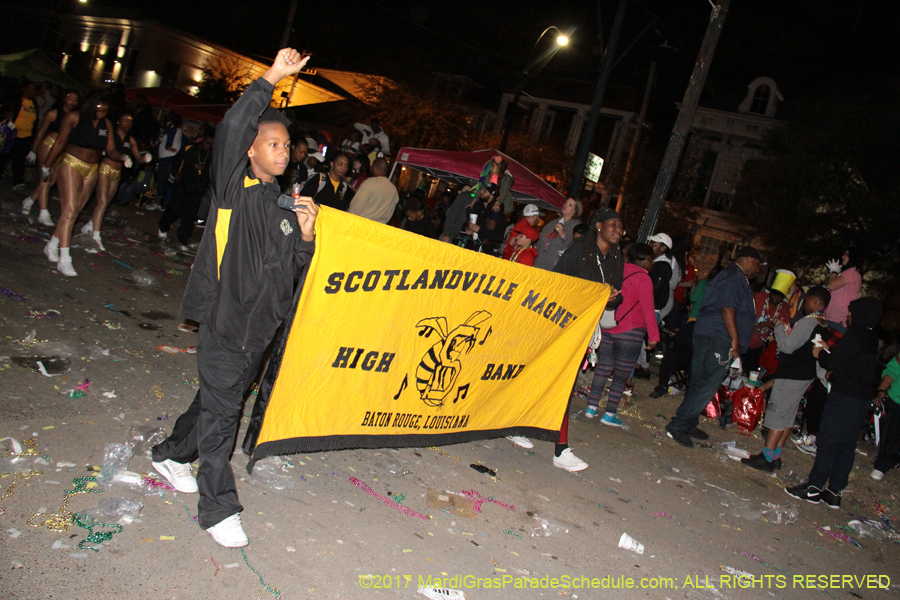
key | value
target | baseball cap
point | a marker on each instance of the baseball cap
(525, 228)
(530, 210)
(662, 238)
(750, 252)
(318, 156)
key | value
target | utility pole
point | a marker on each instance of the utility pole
(684, 120)
(587, 136)
(288, 25)
(636, 140)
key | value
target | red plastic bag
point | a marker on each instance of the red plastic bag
(714, 408)
(749, 405)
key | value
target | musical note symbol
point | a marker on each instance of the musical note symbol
(402, 387)
(486, 336)
(461, 393)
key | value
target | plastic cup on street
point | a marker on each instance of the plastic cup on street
(629, 543)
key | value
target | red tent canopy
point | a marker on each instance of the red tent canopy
(180, 102)
(466, 167)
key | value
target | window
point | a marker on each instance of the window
(170, 73)
(704, 176)
(760, 100)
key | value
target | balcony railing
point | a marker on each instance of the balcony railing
(720, 201)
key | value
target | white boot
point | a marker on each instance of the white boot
(51, 250)
(88, 227)
(97, 241)
(44, 219)
(27, 203)
(64, 265)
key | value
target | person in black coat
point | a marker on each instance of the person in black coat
(854, 374)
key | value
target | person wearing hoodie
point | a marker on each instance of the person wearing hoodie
(854, 374)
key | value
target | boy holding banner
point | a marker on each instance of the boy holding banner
(240, 290)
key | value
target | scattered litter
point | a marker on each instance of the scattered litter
(547, 528)
(174, 350)
(629, 543)
(44, 314)
(48, 366)
(780, 515)
(483, 469)
(452, 504)
(143, 278)
(12, 294)
(111, 394)
(13, 533)
(169, 538)
(120, 511)
(433, 593)
(58, 545)
(273, 472)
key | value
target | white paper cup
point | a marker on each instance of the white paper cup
(473, 218)
(629, 543)
(754, 376)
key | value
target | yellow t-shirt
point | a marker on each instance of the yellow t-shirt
(25, 120)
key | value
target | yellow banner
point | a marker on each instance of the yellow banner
(402, 340)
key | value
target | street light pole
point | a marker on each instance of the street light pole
(587, 137)
(684, 120)
(561, 40)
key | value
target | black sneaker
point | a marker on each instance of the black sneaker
(760, 463)
(698, 434)
(681, 437)
(642, 374)
(804, 491)
(658, 392)
(831, 499)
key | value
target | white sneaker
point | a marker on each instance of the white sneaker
(98, 241)
(520, 441)
(153, 206)
(178, 474)
(162, 234)
(568, 461)
(51, 252)
(27, 203)
(88, 227)
(229, 533)
(876, 475)
(45, 220)
(433, 593)
(64, 266)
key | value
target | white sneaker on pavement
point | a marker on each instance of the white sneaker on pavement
(520, 441)
(178, 474)
(51, 251)
(568, 461)
(64, 266)
(153, 206)
(229, 533)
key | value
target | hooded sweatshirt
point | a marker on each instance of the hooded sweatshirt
(854, 361)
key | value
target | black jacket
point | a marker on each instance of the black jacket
(854, 361)
(252, 251)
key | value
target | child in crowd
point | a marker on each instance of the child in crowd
(525, 236)
(266, 249)
(796, 371)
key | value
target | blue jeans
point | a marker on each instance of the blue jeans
(707, 374)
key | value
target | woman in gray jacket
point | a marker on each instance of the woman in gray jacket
(557, 235)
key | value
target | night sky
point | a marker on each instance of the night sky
(807, 46)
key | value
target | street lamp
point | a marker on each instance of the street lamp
(561, 40)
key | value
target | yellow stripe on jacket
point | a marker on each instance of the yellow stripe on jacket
(223, 220)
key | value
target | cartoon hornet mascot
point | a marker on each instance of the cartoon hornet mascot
(439, 369)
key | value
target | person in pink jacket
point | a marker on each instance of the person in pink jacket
(621, 345)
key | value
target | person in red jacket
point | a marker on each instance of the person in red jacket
(524, 236)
